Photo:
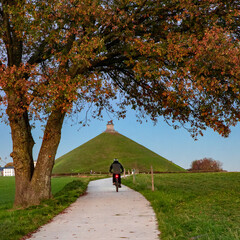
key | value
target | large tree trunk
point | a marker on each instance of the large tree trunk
(41, 180)
(22, 151)
(33, 185)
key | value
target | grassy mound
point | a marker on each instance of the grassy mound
(98, 153)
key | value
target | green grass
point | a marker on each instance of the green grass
(7, 191)
(15, 224)
(202, 206)
(98, 153)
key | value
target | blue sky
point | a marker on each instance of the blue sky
(175, 145)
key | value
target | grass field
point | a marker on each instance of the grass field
(202, 206)
(15, 224)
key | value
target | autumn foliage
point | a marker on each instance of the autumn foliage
(175, 60)
(9, 164)
(206, 164)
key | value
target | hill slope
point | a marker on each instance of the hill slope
(98, 153)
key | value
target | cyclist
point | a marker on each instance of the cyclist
(116, 168)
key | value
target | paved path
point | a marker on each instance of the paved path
(103, 214)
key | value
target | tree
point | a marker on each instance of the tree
(206, 164)
(173, 59)
(9, 164)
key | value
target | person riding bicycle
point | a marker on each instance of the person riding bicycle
(116, 168)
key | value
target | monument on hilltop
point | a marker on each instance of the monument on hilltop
(98, 153)
(110, 127)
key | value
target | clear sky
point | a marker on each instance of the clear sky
(175, 145)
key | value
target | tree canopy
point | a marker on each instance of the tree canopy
(165, 58)
(179, 60)
(206, 164)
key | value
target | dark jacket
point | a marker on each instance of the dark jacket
(116, 167)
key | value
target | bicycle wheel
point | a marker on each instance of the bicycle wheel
(116, 184)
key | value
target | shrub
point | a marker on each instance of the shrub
(206, 164)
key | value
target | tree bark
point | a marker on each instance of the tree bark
(33, 185)
(22, 151)
(41, 180)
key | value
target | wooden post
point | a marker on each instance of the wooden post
(134, 176)
(152, 179)
(128, 172)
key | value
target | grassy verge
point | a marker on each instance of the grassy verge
(14, 224)
(194, 206)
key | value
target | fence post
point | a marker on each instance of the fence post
(134, 176)
(152, 179)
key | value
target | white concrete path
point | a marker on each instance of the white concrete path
(103, 214)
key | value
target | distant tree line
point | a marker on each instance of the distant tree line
(206, 164)
(10, 164)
